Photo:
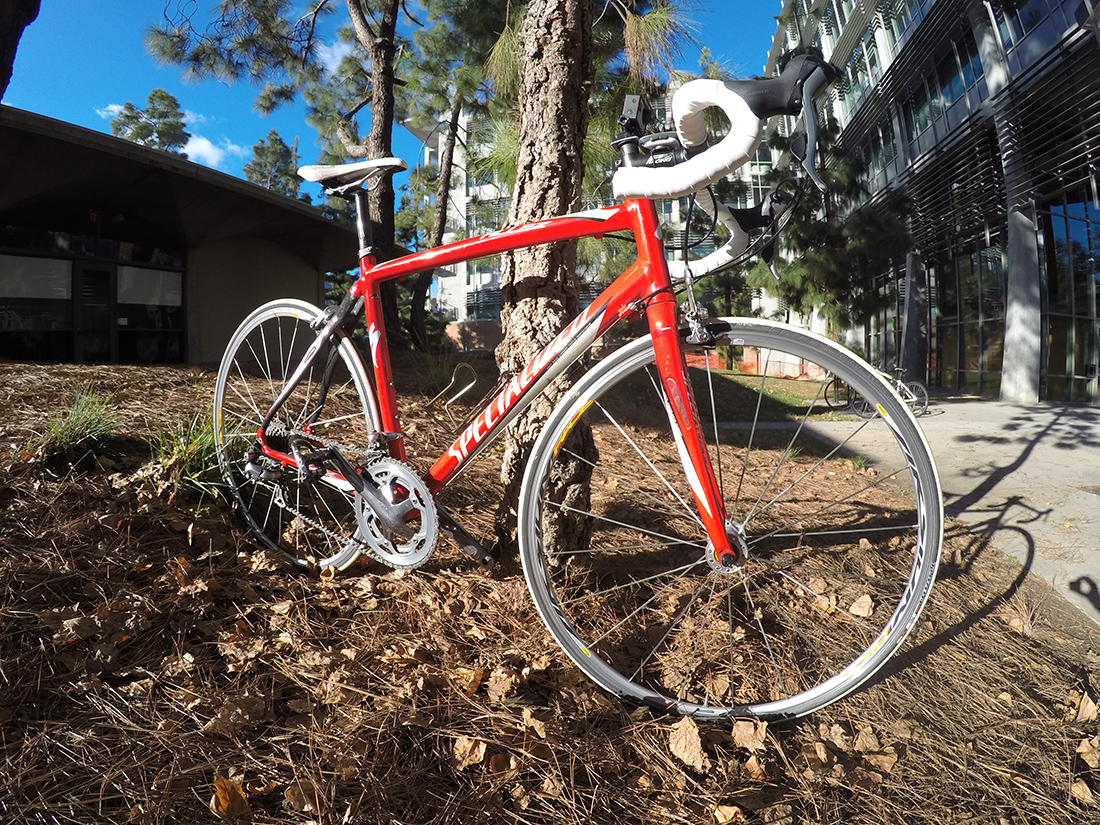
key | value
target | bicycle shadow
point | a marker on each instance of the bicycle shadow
(991, 526)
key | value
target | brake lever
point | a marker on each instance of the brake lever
(817, 79)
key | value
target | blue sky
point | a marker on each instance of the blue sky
(80, 61)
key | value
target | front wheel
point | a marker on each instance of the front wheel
(841, 523)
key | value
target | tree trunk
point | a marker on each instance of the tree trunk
(538, 286)
(15, 16)
(417, 327)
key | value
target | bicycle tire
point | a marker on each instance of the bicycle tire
(836, 395)
(829, 590)
(311, 522)
(917, 397)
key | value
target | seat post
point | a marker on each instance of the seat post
(362, 224)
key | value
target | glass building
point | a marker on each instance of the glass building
(986, 113)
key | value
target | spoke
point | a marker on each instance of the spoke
(827, 507)
(823, 600)
(714, 418)
(689, 510)
(826, 571)
(682, 571)
(784, 457)
(791, 625)
(614, 477)
(752, 430)
(764, 635)
(671, 627)
(698, 639)
(839, 531)
(621, 547)
(674, 540)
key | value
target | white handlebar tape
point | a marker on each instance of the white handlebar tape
(735, 149)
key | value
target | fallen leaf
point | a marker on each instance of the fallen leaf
(900, 730)
(837, 735)
(754, 770)
(865, 741)
(530, 722)
(864, 544)
(883, 761)
(1005, 697)
(502, 764)
(1089, 751)
(467, 752)
(469, 679)
(502, 682)
(864, 779)
(685, 744)
(728, 813)
(1086, 711)
(1080, 791)
(305, 797)
(229, 802)
(749, 734)
(862, 607)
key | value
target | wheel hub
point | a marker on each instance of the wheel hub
(730, 562)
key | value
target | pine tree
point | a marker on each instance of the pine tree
(274, 166)
(158, 126)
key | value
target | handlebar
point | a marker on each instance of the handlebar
(746, 104)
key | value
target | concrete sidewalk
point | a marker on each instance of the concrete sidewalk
(1028, 478)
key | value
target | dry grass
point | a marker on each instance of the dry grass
(151, 661)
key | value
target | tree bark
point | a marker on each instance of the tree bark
(15, 16)
(539, 293)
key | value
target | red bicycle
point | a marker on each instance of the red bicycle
(726, 558)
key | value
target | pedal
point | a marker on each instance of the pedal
(470, 546)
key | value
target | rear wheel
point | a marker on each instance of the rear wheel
(314, 521)
(841, 522)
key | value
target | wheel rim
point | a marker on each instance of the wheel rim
(648, 618)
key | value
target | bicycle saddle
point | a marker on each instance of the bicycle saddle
(345, 177)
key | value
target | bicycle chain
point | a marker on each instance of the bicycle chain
(276, 429)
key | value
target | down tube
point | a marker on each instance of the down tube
(569, 345)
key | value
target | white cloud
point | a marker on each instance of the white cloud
(330, 56)
(191, 119)
(204, 151)
(109, 111)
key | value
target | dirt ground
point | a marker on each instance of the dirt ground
(156, 667)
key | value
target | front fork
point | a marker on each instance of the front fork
(687, 430)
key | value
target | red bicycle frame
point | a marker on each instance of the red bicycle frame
(646, 282)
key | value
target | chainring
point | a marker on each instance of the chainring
(412, 545)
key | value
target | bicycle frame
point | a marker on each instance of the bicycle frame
(646, 283)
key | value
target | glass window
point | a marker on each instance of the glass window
(972, 70)
(950, 79)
